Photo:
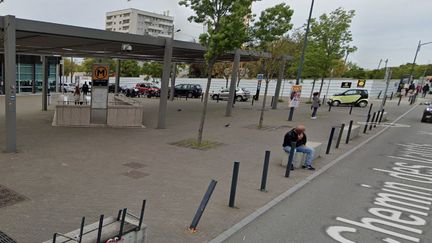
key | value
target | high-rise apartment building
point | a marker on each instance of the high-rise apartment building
(140, 22)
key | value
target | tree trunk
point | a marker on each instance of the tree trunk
(206, 98)
(312, 90)
(321, 86)
(260, 124)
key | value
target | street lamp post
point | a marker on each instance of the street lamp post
(411, 80)
(300, 68)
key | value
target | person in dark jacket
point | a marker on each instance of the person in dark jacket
(85, 88)
(298, 136)
(425, 90)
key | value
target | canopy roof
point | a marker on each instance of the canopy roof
(43, 38)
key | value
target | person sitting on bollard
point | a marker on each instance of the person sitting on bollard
(298, 136)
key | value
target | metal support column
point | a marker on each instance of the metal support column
(117, 77)
(234, 78)
(34, 77)
(173, 80)
(278, 84)
(164, 83)
(9, 42)
(45, 74)
(57, 78)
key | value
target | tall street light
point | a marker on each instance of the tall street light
(300, 68)
(411, 80)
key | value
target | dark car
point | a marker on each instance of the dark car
(427, 114)
(188, 90)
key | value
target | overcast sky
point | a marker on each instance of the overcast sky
(381, 29)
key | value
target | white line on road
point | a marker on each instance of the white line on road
(244, 222)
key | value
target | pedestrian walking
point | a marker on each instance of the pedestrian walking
(426, 89)
(316, 103)
(85, 88)
(77, 95)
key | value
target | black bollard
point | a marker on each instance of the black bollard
(381, 117)
(330, 140)
(367, 123)
(290, 159)
(340, 135)
(122, 222)
(253, 101)
(330, 106)
(324, 98)
(202, 206)
(202, 97)
(234, 184)
(379, 94)
(265, 171)
(99, 233)
(391, 96)
(81, 230)
(272, 100)
(377, 118)
(400, 98)
(372, 120)
(351, 109)
(349, 132)
(370, 108)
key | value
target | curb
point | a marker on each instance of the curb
(244, 222)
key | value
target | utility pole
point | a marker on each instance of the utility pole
(387, 79)
(300, 68)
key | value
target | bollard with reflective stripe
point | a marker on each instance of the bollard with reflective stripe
(372, 120)
(202, 206)
(377, 118)
(381, 117)
(400, 98)
(351, 109)
(265, 171)
(340, 135)
(349, 132)
(367, 123)
(290, 159)
(234, 184)
(330, 140)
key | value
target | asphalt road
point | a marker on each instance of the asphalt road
(352, 201)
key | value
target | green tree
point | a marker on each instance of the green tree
(152, 69)
(268, 32)
(226, 31)
(330, 37)
(129, 68)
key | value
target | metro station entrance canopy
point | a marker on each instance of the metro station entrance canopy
(29, 37)
(42, 38)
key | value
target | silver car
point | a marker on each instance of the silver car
(241, 94)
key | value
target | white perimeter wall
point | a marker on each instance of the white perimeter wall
(373, 86)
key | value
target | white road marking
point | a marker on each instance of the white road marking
(367, 186)
(424, 133)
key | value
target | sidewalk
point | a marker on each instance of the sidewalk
(67, 173)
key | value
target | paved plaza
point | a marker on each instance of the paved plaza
(66, 173)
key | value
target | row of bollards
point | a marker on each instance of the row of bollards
(340, 135)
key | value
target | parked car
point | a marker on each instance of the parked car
(241, 94)
(427, 114)
(111, 88)
(188, 90)
(148, 89)
(68, 87)
(358, 97)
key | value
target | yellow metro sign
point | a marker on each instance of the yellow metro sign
(100, 75)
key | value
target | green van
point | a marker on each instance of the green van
(357, 97)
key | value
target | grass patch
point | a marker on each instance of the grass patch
(280, 100)
(308, 102)
(193, 144)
